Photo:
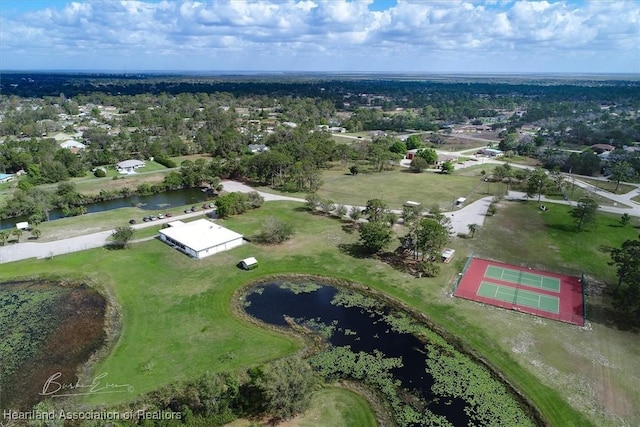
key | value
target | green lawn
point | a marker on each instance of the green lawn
(607, 185)
(331, 406)
(596, 362)
(177, 320)
(338, 407)
(397, 186)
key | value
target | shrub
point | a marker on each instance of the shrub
(100, 173)
(327, 206)
(121, 237)
(165, 161)
(255, 199)
(275, 230)
(313, 200)
(418, 164)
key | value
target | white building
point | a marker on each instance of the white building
(72, 145)
(129, 166)
(200, 238)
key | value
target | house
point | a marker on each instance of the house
(73, 146)
(442, 158)
(257, 148)
(200, 238)
(5, 177)
(129, 166)
(601, 148)
(492, 152)
(249, 263)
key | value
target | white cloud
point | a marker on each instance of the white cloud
(265, 33)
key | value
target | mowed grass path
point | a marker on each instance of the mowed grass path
(177, 320)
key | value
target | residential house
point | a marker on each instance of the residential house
(129, 166)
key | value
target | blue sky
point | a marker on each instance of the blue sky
(491, 36)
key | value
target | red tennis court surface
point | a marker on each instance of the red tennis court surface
(550, 295)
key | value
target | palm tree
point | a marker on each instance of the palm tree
(472, 229)
(36, 233)
(17, 232)
(4, 236)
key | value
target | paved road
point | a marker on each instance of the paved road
(474, 213)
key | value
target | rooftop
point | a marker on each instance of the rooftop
(200, 234)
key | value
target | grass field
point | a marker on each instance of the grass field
(178, 322)
(397, 186)
(593, 367)
(330, 406)
(607, 185)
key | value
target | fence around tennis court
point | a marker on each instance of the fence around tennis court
(550, 295)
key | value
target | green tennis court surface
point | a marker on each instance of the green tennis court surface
(523, 278)
(520, 297)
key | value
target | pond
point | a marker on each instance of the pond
(152, 203)
(46, 329)
(434, 382)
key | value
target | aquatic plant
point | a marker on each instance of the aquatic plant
(300, 287)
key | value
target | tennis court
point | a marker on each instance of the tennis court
(523, 278)
(520, 297)
(544, 294)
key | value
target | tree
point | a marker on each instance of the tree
(418, 164)
(620, 171)
(627, 262)
(121, 237)
(429, 154)
(354, 170)
(327, 206)
(585, 212)
(472, 229)
(375, 235)
(536, 183)
(275, 230)
(312, 201)
(398, 147)
(413, 142)
(4, 237)
(286, 386)
(17, 232)
(255, 199)
(504, 173)
(509, 142)
(355, 213)
(341, 210)
(36, 233)
(432, 236)
(447, 167)
(376, 210)
(625, 219)
(410, 214)
(235, 203)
